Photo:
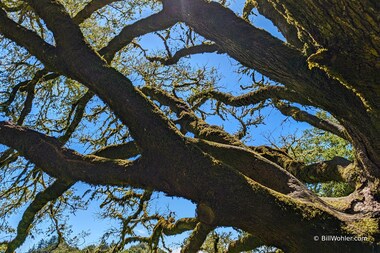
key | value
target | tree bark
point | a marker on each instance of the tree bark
(232, 184)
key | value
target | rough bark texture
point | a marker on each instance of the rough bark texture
(257, 189)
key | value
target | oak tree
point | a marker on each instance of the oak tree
(68, 65)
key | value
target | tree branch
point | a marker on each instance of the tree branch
(304, 116)
(289, 31)
(187, 118)
(49, 194)
(197, 238)
(29, 87)
(155, 22)
(338, 169)
(245, 243)
(261, 51)
(30, 40)
(254, 97)
(229, 150)
(195, 185)
(65, 164)
(259, 167)
(119, 151)
(85, 66)
(198, 49)
(80, 107)
(180, 226)
(344, 39)
(90, 8)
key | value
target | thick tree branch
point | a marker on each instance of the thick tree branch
(155, 22)
(190, 171)
(30, 40)
(197, 238)
(350, 51)
(254, 97)
(65, 164)
(52, 192)
(148, 125)
(261, 51)
(245, 243)
(337, 169)
(289, 31)
(119, 151)
(234, 153)
(264, 53)
(258, 167)
(180, 226)
(49, 194)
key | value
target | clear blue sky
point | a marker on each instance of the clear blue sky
(274, 126)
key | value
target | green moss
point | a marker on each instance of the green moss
(248, 7)
(365, 227)
(326, 60)
(307, 211)
(338, 203)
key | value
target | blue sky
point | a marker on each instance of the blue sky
(275, 126)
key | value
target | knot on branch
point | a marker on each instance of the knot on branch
(205, 214)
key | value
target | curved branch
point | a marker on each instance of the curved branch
(303, 116)
(198, 49)
(187, 118)
(225, 148)
(119, 151)
(90, 8)
(261, 51)
(289, 31)
(180, 226)
(245, 243)
(49, 194)
(155, 22)
(197, 238)
(337, 169)
(65, 164)
(254, 97)
(13, 94)
(30, 40)
(258, 167)
(147, 125)
(80, 107)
